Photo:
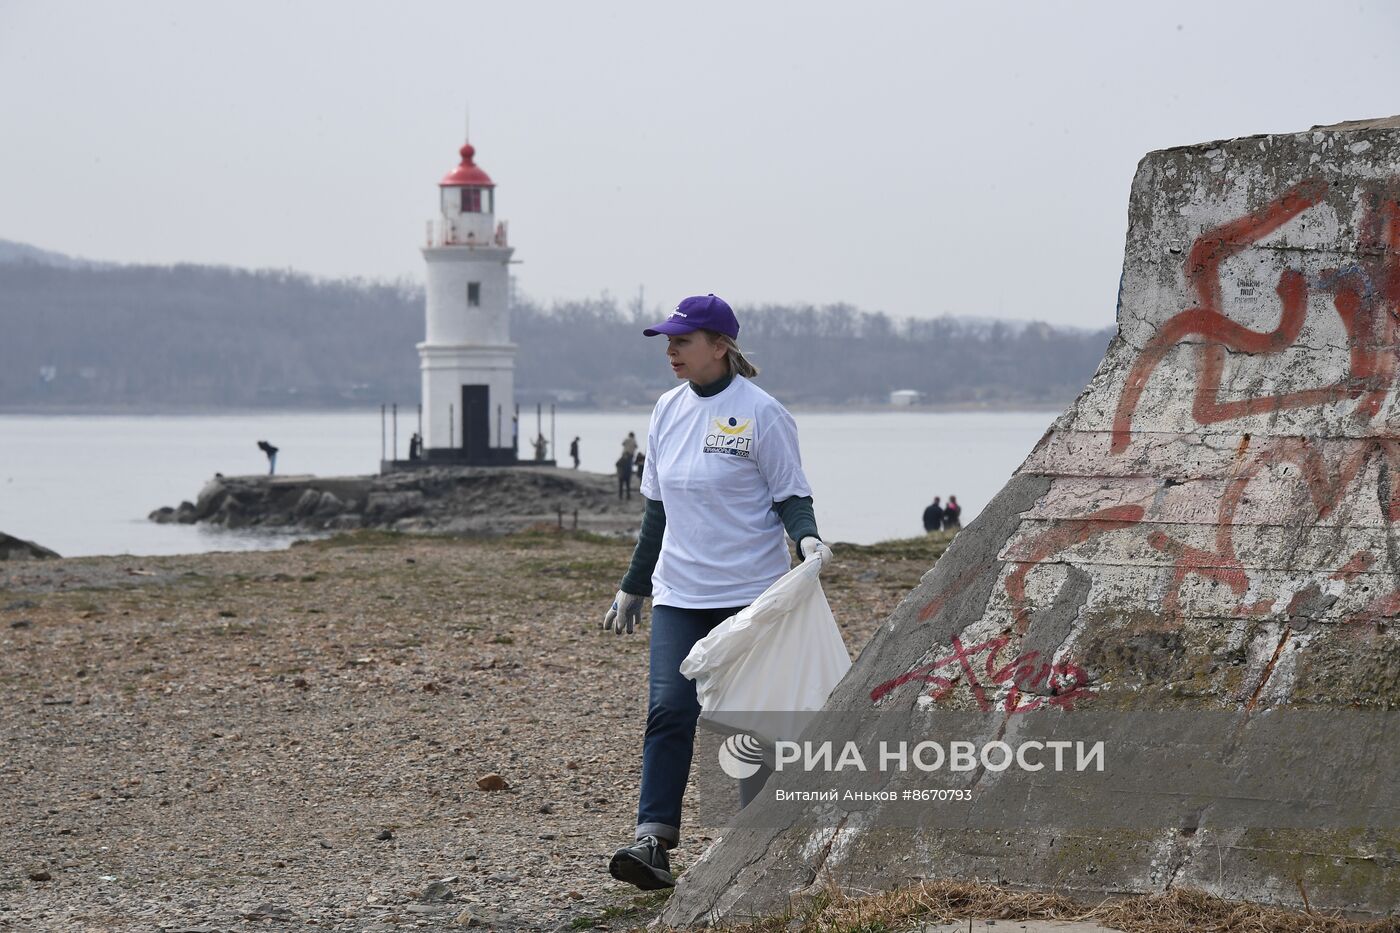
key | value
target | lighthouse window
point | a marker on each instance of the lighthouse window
(473, 294)
(471, 200)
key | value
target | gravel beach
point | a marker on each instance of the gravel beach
(302, 738)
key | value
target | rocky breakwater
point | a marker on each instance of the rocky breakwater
(12, 548)
(458, 500)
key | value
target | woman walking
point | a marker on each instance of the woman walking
(722, 482)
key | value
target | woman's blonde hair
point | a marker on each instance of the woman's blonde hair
(739, 364)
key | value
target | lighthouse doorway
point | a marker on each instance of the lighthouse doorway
(476, 423)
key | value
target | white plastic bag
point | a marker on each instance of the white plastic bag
(780, 657)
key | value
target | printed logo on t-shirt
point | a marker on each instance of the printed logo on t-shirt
(730, 436)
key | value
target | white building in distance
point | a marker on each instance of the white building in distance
(466, 357)
(903, 398)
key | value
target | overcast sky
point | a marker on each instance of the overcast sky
(915, 158)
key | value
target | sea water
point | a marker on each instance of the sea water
(84, 484)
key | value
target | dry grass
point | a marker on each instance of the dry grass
(1178, 911)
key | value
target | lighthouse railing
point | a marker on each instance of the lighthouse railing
(444, 233)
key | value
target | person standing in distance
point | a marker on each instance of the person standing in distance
(952, 514)
(624, 477)
(722, 482)
(933, 516)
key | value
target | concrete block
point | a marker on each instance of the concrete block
(1213, 524)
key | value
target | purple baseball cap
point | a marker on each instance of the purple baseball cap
(698, 312)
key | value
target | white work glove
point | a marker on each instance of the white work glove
(811, 545)
(626, 608)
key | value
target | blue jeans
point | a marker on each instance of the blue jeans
(672, 712)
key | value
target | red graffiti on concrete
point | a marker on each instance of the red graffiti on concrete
(1366, 299)
(1327, 480)
(1026, 673)
(948, 592)
(1057, 683)
(1379, 610)
(1056, 538)
(1359, 563)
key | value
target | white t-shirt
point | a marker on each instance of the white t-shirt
(718, 464)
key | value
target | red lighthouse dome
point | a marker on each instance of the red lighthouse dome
(467, 173)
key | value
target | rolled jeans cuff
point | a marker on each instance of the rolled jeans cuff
(670, 835)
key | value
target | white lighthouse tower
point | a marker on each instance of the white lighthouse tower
(466, 357)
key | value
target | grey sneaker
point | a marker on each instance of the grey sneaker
(644, 864)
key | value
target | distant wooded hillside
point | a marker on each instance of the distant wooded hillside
(198, 336)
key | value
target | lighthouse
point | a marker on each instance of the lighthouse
(466, 357)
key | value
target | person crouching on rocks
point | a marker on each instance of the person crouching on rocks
(722, 481)
(271, 452)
